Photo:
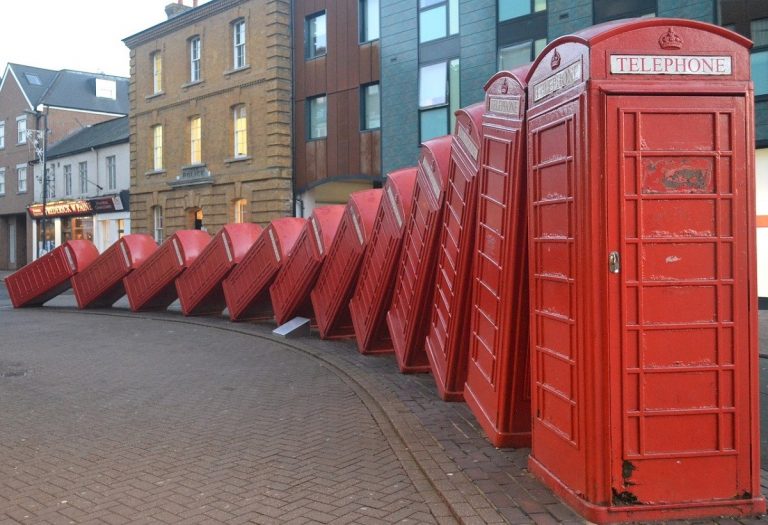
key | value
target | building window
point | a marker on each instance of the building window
(157, 223)
(157, 148)
(2, 135)
(111, 172)
(21, 174)
(21, 130)
(509, 9)
(438, 19)
(315, 35)
(82, 169)
(157, 72)
(520, 54)
(759, 56)
(438, 98)
(51, 180)
(317, 123)
(67, 179)
(195, 141)
(606, 10)
(369, 20)
(2, 181)
(120, 228)
(194, 59)
(241, 131)
(371, 106)
(238, 44)
(239, 210)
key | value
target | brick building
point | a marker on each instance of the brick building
(210, 117)
(72, 100)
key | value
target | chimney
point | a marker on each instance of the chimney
(172, 10)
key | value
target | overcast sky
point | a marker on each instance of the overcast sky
(85, 35)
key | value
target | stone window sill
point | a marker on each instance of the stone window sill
(192, 84)
(154, 172)
(154, 95)
(236, 70)
(237, 159)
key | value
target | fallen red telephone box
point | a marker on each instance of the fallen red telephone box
(376, 280)
(246, 289)
(295, 280)
(498, 388)
(447, 337)
(407, 317)
(101, 283)
(152, 286)
(642, 264)
(199, 288)
(45, 278)
(338, 276)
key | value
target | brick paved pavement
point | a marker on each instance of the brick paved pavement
(431, 454)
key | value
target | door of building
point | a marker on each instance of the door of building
(12, 242)
(678, 292)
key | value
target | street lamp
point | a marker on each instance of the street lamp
(41, 153)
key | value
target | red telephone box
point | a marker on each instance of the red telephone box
(246, 289)
(642, 264)
(199, 288)
(338, 276)
(498, 389)
(376, 282)
(407, 317)
(101, 283)
(152, 286)
(447, 337)
(294, 282)
(45, 278)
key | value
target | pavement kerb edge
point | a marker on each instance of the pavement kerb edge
(400, 427)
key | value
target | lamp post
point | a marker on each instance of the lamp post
(41, 108)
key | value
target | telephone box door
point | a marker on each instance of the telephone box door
(679, 293)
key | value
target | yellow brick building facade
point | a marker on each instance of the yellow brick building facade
(210, 117)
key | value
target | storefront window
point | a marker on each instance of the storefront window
(82, 228)
(50, 235)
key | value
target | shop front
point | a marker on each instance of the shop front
(101, 220)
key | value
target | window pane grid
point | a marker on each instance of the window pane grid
(239, 44)
(157, 72)
(111, 172)
(82, 169)
(195, 141)
(68, 180)
(157, 148)
(318, 117)
(371, 107)
(194, 58)
(2, 181)
(369, 16)
(316, 35)
(241, 132)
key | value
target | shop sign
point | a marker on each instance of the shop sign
(60, 209)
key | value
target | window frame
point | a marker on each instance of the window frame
(82, 174)
(195, 140)
(2, 181)
(238, 134)
(758, 49)
(21, 168)
(157, 148)
(309, 124)
(157, 72)
(111, 167)
(452, 99)
(21, 134)
(195, 58)
(633, 12)
(364, 107)
(239, 48)
(67, 169)
(308, 47)
(2, 135)
(532, 48)
(363, 10)
(158, 221)
(51, 180)
(238, 211)
(451, 11)
(531, 11)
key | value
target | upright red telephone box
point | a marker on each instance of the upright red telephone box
(376, 282)
(498, 389)
(246, 288)
(447, 337)
(338, 276)
(642, 262)
(407, 317)
(294, 282)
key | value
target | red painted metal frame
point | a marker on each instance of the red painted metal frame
(498, 388)
(45, 278)
(338, 276)
(101, 283)
(642, 266)
(378, 270)
(295, 280)
(407, 315)
(447, 339)
(199, 288)
(246, 289)
(153, 285)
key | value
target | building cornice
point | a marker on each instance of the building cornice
(180, 21)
